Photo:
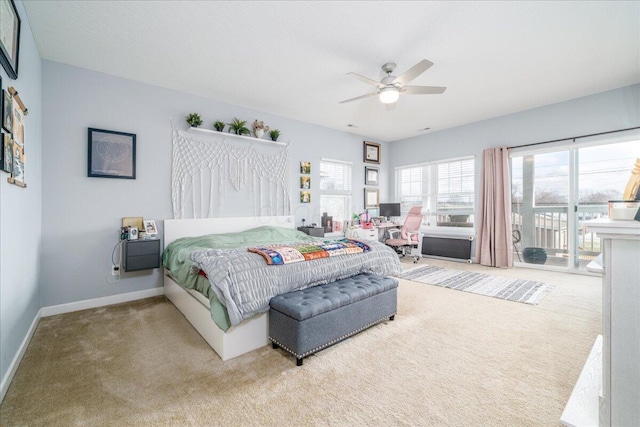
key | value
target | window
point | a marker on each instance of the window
(335, 191)
(444, 189)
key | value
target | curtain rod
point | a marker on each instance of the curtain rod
(573, 137)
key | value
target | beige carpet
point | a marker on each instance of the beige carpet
(450, 358)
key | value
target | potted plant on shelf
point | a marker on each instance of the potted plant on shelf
(194, 120)
(259, 128)
(238, 127)
(219, 126)
(274, 134)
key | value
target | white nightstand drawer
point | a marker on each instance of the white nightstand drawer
(360, 233)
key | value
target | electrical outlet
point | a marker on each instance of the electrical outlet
(115, 270)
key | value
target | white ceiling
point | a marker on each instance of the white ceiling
(290, 58)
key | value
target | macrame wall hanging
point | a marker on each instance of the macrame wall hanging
(214, 176)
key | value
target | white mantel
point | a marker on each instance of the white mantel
(614, 228)
(620, 244)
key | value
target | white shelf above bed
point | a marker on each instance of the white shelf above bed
(234, 136)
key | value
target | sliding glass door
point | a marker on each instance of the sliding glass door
(556, 190)
(540, 208)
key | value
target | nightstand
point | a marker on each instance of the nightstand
(312, 231)
(141, 254)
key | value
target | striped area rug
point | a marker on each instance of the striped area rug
(526, 291)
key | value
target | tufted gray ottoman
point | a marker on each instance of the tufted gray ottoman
(304, 322)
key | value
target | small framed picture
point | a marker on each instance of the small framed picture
(111, 154)
(371, 152)
(326, 222)
(305, 182)
(305, 168)
(7, 111)
(7, 153)
(17, 125)
(17, 172)
(305, 197)
(371, 175)
(133, 221)
(150, 227)
(371, 198)
(10, 40)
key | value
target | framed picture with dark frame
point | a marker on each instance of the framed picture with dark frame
(371, 175)
(111, 154)
(10, 37)
(371, 198)
(7, 112)
(7, 153)
(371, 152)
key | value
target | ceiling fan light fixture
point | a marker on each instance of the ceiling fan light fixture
(389, 95)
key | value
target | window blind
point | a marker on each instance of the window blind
(335, 177)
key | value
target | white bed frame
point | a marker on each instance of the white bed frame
(240, 339)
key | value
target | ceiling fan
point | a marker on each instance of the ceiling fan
(390, 87)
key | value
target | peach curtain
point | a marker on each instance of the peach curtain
(493, 247)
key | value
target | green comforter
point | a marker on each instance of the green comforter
(177, 259)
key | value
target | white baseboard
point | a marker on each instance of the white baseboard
(52, 310)
(4, 385)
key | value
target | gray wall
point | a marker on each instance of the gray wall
(20, 211)
(81, 215)
(615, 109)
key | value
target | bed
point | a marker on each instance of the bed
(239, 282)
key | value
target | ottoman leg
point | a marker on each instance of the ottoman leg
(274, 345)
(298, 362)
(392, 317)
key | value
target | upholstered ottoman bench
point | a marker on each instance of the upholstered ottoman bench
(304, 322)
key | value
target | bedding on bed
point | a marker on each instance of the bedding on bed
(285, 254)
(240, 284)
(177, 259)
(244, 283)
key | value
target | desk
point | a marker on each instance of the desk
(384, 226)
(357, 232)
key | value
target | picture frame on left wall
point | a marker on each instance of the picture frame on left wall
(7, 112)
(111, 154)
(19, 160)
(7, 153)
(9, 37)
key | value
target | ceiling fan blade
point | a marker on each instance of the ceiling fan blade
(390, 107)
(359, 97)
(364, 79)
(423, 90)
(413, 72)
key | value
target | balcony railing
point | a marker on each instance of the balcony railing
(547, 228)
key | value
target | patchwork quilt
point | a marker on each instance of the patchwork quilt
(297, 252)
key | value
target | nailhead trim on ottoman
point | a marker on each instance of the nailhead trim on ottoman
(307, 321)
